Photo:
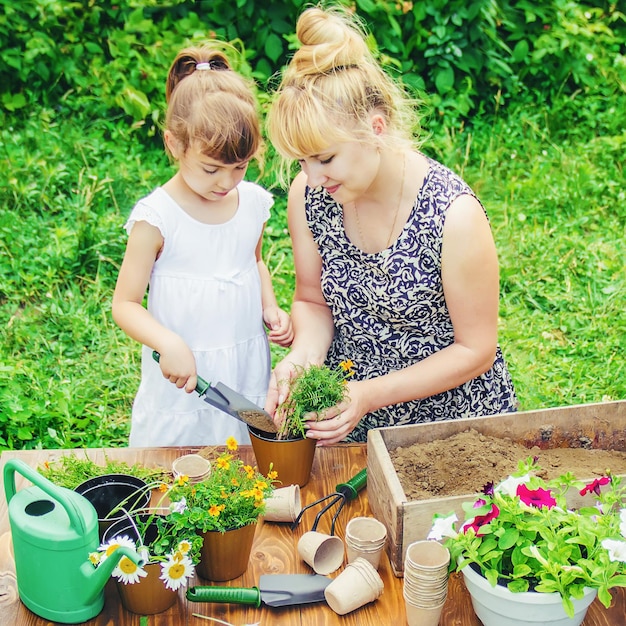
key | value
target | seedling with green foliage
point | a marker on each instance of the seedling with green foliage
(314, 389)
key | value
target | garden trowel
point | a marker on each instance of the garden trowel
(228, 400)
(273, 590)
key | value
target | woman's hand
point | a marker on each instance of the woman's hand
(337, 422)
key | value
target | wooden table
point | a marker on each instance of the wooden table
(274, 552)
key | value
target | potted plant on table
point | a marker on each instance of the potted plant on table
(169, 554)
(311, 391)
(223, 509)
(522, 540)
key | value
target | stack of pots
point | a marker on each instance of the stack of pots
(365, 538)
(425, 582)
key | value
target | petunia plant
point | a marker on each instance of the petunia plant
(232, 496)
(521, 534)
(312, 390)
(156, 538)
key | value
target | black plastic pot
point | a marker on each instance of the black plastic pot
(108, 492)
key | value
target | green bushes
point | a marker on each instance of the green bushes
(109, 58)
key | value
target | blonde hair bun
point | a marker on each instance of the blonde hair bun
(329, 41)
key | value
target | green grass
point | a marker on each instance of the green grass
(552, 181)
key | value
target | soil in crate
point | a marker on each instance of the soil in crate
(465, 462)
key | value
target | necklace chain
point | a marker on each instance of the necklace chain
(395, 217)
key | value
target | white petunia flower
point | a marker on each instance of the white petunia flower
(443, 527)
(509, 486)
(180, 506)
(176, 571)
(616, 549)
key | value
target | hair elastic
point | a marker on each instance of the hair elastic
(204, 66)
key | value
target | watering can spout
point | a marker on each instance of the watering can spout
(96, 579)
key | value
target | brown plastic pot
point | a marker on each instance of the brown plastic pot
(225, 555)
(292, 459)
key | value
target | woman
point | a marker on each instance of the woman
(396, 267)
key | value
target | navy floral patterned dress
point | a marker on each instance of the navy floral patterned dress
(389, 308)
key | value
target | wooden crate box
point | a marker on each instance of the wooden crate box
(594, 426)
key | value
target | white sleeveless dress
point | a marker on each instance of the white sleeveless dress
(205, 286)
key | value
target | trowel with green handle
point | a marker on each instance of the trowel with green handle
(273, 590)
(228, 400)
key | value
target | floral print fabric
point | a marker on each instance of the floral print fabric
(389, 308)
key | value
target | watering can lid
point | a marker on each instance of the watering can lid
(43, 522)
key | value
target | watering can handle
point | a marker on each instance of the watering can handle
(17, 465)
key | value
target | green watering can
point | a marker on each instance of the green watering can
(54, 530)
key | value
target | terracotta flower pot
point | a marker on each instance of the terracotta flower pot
(225, 556)
(291, 458)
(149, 595)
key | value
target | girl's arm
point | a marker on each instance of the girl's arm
(311, 317)
(277, 320)
(471, 287)
(143, 248)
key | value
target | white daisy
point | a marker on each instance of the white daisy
(176, 571)
(108, 548)
(184, 546)
(128, 572)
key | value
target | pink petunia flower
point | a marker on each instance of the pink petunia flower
(595, 485)
(536, 497)
(482, 520)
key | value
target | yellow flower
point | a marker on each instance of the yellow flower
(215, 510)
(347, 366)
(224, 462)
(260, 484)
(249, 471)
(163, 487)
(234, 482)
(272, 474)
(231, 443)
(258, 494)
(182, 480)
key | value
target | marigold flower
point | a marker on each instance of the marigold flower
(231, 443)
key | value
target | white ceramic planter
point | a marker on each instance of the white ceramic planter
(497, 606)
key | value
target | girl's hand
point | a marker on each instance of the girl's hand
(280, 326)
(178, 365)
(337, 422)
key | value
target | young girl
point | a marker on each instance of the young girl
(196, 241)
(396, 267)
